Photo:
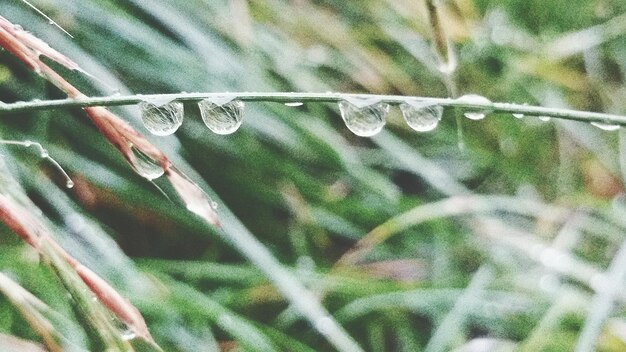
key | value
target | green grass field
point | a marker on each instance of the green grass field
(511, 237)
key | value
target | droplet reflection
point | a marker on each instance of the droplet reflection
(162, 120)
(421, 116)
(225, 118)
(364, 119)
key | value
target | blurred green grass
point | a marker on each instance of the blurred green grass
(308, 189)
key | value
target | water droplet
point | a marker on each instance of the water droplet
(222, 115)
(17, 27)
(162, 120)
(473, 99)
(606, 126)
(421, 116)
(294, 104)
(214, 204)
(364, 118)
(325, 325)
(69, 184)
(447, 67)
(28, 143)
(145, 165)
(157, 99)
(44, 153)
(544, 118)
(128, 335)
(518, 116)
(475, 113)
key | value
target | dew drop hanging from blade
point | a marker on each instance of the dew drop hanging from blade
(43, 153)
(475, 113)
(364, 117)
(145, 166)
(222, 115)
(605, 126)
(421, 116)
(162, 119)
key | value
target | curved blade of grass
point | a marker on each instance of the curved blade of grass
(236, 326)
(452, 324)
(453, 206)
(603, 302)
(30, 307)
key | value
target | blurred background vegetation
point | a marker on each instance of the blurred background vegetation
(513, 243)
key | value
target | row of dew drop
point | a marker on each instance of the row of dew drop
(365, 117)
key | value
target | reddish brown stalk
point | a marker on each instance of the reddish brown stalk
(32, 231)
(118, 132)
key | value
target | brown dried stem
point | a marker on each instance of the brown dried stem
(21, 221)
(118, 132)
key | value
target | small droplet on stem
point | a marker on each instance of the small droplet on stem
(544, 118)
(128, 335)
(475, 113)
(605, 126)
(518, 116)
(294, 104)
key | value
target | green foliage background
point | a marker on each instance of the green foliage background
(308, 189)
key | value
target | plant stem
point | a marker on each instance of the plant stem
(603, 301)
(447, 63)
(282, 97)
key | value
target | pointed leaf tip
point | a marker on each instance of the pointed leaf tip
(194, 197)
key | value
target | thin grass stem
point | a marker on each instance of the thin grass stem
(604, 301)
(283, 97)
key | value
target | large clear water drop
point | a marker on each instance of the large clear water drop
(222, 115)
(421, 116)
(163, 119)
(364, 117)
(475, 113)
(606, 126)
(518, 116)
(145, 166)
